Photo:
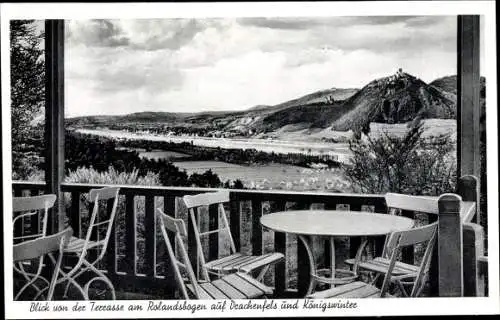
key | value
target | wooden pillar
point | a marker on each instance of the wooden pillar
(450, 261)
(468, 91)
(54, 119)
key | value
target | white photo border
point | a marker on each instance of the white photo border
(374, 307)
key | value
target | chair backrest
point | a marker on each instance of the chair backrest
(36, 208)
(195, 203)
(178, 227)
(412, 203)
(32, 249)
(396, 202)
(98, 197)
(427, 233)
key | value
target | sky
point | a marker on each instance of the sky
(192, 65)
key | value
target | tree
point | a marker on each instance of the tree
(27, 93)
(407, 164)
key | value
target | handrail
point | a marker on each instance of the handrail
(66, 185)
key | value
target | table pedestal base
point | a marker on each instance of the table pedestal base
(328, 276)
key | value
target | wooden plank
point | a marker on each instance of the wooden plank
(434, 267)
(54, 119)
(206, 199)
(214, 291)
(259, 261)
(111, 250)
(326, 243)
(103, 193)
(256, 228)
(379, 241)
(74, 214)
(248, 289)
(230, 291)
(192, 246)
(280, 246)
(130, 235)
(473, 237)
(213, 238)
(408, 253)
(31, 203)
(354, 242)
(149, 236)
(265, 289)
(169, 209)
(235, 222)
(450, 260)
(303, 269)
(412, 203)
(468, 97)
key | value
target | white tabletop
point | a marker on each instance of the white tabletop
(335, 223)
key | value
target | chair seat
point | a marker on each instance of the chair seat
(381, 265)
(76, 244)
(234, 286)
(243, 263)
(355, 289)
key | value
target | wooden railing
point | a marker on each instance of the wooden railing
(135, 260)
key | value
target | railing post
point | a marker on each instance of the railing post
(169, 209)
(256, 227)
(149, 236)
(235, 220)
(473, 249)
(130, 235)
(280, 246)
(450, 246)
(213, 239)
(303, 269)
(111, 252)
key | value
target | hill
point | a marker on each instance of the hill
(449, 84)
(397, 98)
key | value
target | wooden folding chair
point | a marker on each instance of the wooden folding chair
(234, 286)
(37, 249)
(35, 209)
(401, 239)
(235, 261)
(379, 265)
(32, 212)
(81, 247)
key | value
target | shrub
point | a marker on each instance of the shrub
(409, 164)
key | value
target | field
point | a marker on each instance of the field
(271, 176)
(160, 154)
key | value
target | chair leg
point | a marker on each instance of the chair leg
(69, 276)
(101, 276)
(262, 273)
(31, 280)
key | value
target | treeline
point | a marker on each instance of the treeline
(156, 129)
(235, 156)
(100, 153)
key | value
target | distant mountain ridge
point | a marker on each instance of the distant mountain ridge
(397, 98)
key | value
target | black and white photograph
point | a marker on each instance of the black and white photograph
(171, 162)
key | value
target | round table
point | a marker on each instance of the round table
(330, 224)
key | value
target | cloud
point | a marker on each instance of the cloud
(100, 33)
(123, 66)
